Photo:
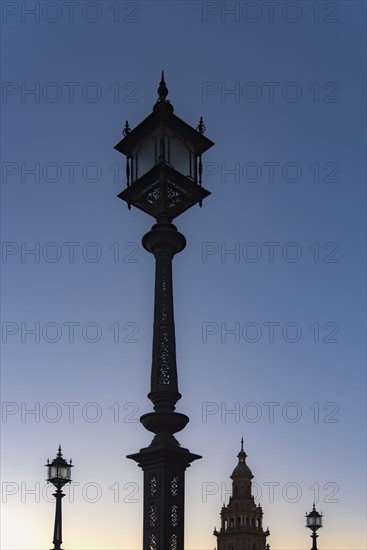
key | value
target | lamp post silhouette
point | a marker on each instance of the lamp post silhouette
(314, 522)
(58, 473)
(163, 173)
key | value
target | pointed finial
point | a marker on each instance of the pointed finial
(313, 508)
(162, 89)
(242, 443)
(162, 94)
(59, 451)
(126, 129)
(201, 126)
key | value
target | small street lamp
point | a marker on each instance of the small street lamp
(58, 473)
(314, 522)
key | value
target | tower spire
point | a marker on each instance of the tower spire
(242, 466)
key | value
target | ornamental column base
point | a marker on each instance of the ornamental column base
(164, 463)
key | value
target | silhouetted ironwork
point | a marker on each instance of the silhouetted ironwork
(164, 158)
(58, 473)
(314, 522)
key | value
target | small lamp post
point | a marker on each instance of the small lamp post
(314, 522)
(58, 473)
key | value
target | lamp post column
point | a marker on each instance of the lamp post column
(163, 173)
(164, 462)
(164, 241)
(57, 540)
(314, 537)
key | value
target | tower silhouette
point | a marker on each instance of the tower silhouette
(241, 519)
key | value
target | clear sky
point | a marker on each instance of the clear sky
(269, 292)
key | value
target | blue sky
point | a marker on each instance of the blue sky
(269, 292)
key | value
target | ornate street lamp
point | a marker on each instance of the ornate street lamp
(163, 172)
(314, 522)
(58, 473)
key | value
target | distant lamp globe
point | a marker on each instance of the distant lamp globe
(314, 522)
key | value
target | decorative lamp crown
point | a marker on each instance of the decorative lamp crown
(58, 471)
(163, 161)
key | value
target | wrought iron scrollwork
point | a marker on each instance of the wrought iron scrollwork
(152, 514)
(153, 485)
(174, 515)
(152, 541)
(174, 486)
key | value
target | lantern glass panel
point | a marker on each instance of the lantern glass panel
(180, 154)
(145, 157)
(53, 472)
(63, 472)
(58, 472)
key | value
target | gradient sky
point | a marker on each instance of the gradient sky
(269, 292)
